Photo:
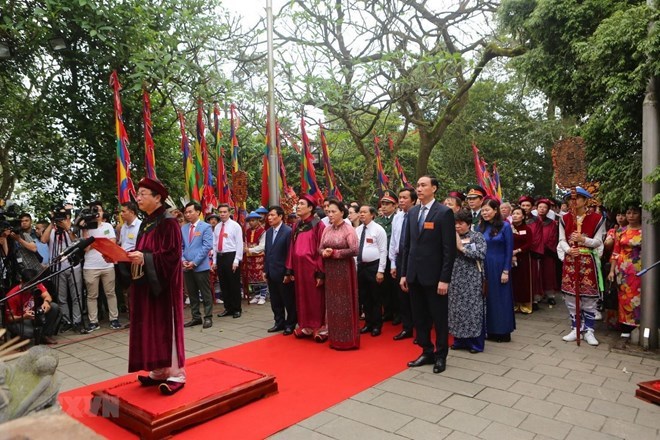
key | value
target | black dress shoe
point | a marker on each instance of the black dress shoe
(423, 359)
(224, 313)
(396, 320)
(275, 328)
(207, 323)
(551, 302)
(287, 331)
(387, 317)
(405, 334)
(236, 315)
(365, 329)
(375, 332)
(439, 366)
(193, 323)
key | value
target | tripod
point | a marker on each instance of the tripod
(65, 289)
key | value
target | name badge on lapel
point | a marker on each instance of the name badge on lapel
(197, 234)
(523, 232)
(369, 240)
(429, 225)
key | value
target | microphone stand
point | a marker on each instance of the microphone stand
(643, 271)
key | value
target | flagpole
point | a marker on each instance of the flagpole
(273, 162)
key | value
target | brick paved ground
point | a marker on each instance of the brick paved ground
(536, 387)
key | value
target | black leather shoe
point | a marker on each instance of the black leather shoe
(224, 313)
(365, 329)
(287, 331)
(236, 315)
(375, 332)
(207, 323)
(193, 323)
(405, 334)
(396, 320)
(275, 328)
(387, 317)
(439, 366)
(423, 359)
(551, 302)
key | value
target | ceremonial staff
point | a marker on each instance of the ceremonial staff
(570, 167)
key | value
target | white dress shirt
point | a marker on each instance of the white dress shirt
(128, 234)
(375, 244)
(397, 224)
(232, 242)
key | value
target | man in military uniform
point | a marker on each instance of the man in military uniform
(475, 198)
(388, 207)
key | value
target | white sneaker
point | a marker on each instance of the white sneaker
(218, 301)
(261, 301)
(598, 316)
(590, 338)
(254, 300)
(571, 337)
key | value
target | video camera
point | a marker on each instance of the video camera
(88, 218)
(60, 213)
(9, 219)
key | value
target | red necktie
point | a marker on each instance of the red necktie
(190, 235)
(222, 237)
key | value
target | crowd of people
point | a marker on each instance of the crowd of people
(464, 266)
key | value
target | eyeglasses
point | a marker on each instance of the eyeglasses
(144, 193)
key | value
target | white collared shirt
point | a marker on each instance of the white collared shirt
(375, 244)
(232, 241)
(397, 225)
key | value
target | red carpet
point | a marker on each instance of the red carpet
(311, 378)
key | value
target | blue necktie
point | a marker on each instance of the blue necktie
(420, 220)
(402, 237)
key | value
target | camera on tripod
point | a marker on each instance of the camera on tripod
(9, 219)
(60, 214)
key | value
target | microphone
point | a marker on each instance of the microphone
(77, 246)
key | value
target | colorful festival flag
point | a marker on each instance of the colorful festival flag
(125, 189)
(308, 184)
(484, 178)
(234, 123)
(330, 180)
(383, 180)
(206, 186)
(498, 184)
(265, 168)
(188, 166)
(224, 192)
(149, 149)
(397, 165)
(284, 186)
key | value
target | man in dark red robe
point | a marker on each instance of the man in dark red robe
(305, 265)
(156, 295)
(535, 225)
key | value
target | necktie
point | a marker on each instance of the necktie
(420, 220)
(190, 234)
(362, 237)
(402, 237)
(222, 237)
(274, 235)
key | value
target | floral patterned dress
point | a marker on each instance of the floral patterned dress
(628, 260)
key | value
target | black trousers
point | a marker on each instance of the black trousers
(283, 303)
(390, 291)
(199, 282)
(371, 292)
(26, 328)
(230, 281)
(405, 307)
(430, 310)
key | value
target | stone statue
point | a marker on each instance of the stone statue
(28, 384)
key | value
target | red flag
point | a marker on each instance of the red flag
(330, 180)
(308, 184)
(383, 180)
(397, 166)
(149, 149)
(224, 192)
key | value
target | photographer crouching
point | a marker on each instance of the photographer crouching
(32, 314)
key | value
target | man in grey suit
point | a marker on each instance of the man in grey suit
(197, 243)
(282, 297)
(428, 259)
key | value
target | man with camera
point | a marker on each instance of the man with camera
(96, 269)
(25, 248)
(59, 236)
(32, 312)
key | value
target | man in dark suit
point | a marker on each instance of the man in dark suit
(428, 259)
(282, 297)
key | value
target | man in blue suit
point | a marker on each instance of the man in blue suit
(429, 251)
(282, 297)
(197, 243)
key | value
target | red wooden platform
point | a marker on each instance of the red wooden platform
(649, 391)
(213, 388)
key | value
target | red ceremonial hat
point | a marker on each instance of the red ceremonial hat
(311, 200)
(546, 201)
(457, 195)
(154, 185)
(525, 199)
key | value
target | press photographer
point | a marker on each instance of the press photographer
(25, 247)
(32, 313)
(9, 224)
(59, 236)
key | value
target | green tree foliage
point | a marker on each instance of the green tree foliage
(57, 132)
(593, 59)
